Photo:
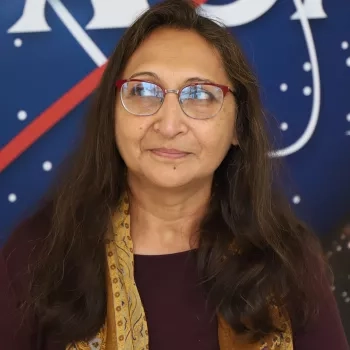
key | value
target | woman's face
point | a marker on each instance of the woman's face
(169, 149)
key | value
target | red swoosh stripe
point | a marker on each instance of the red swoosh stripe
(52, 115)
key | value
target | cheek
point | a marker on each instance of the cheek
(222, 131)
(123, 133)
(217, 145)
(129, 130)
(127, 142)
(217, 139)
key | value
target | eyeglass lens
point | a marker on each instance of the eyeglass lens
(200, 101)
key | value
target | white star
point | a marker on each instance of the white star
(18, 42)
(47, 166)
(307, 91)
(284, 87)
(307, 66)
(12, 198)
(22, 115)
(284, 126)
(296, 199)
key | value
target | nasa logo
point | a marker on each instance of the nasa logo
(109, 14)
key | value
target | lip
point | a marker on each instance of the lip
(169, 153)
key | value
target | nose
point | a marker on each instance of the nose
(171, 120)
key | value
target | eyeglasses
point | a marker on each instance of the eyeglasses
(197, 100)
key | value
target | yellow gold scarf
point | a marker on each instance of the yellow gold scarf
(126, 326)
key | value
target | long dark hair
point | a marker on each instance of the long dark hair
(252, 249)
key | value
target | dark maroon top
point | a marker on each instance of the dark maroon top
(174, 303)
(176, 311)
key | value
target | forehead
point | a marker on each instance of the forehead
(175, 56)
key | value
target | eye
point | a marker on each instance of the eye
(144, 89)
(203, 94)
(141, 90)
(197, 92)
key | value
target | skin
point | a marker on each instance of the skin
(169, 195)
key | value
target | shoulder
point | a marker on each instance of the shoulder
(324, 330)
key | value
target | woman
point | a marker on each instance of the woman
(168, 232)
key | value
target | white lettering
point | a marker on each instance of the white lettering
(313, 10)
(114, 14)
(32, 19)
(239, 12)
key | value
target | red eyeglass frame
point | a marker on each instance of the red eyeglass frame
(225, 89)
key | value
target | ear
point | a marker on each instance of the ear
(234, 139)
(235, 142)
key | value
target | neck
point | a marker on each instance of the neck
(165, 221)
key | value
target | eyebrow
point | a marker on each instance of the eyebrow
(155, 76)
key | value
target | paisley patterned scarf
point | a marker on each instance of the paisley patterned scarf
(126, 327)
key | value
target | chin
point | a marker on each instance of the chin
(169, 179)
